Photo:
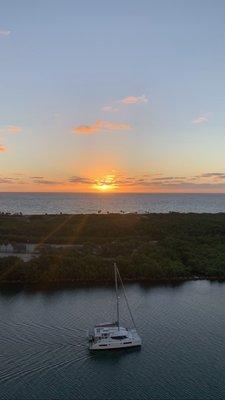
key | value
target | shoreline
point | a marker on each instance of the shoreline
(61, 285)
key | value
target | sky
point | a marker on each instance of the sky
(120, 96)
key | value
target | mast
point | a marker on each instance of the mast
(124, 292)
(117, 297)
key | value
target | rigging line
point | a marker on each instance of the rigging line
(117, 297)
(124, 292)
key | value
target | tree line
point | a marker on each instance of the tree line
(146, 247)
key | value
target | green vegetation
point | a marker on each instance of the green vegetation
(146, 247)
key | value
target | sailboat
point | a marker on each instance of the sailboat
(111, 335)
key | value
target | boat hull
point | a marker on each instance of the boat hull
(112, 345)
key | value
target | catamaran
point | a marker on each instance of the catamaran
(111, 335)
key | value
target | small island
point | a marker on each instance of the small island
(80, 249)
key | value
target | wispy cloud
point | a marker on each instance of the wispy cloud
(36, 177)
(167, 178)
(204, 182)
(100, 126)
(127, 101)
(220, 175)
(10, 129)
(4, 32)
(8, 180)
(109, 109)
(202, 119)
(23, 179)
(13, 129)
(134, 100)
(41, 181)
(117, 180)
(80, 180)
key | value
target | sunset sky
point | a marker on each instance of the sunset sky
(124, 96)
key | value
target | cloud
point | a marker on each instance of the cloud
(46, 182)
(210, 176)
(80, 179)
(201, 119)
(100, 126)
(129, 100)
(4, 179)
(108, 180)
(116, 180)
(41, 181)
(109, 109)
(134, 100)
(168, 178)
(220, 175)
(204, 182)
(177, 183)
(13, 129)
(4, 32)
(10, 129)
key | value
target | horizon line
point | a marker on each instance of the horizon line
(106, 193)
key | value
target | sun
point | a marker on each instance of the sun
(103, 187)
(105, 184)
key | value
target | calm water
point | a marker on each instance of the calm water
(44, 355)
(39, 203)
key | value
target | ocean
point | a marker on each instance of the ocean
(76, 203)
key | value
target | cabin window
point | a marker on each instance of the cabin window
(119, 337)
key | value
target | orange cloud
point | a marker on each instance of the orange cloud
(10, 129)
(100, 126)
(134, 100)
(2, 148)
(13, 129)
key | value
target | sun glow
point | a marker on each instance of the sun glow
(106, 183)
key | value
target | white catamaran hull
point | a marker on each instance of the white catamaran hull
(130, 339)
(111, 346)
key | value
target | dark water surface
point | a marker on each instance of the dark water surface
(75, 203)
(44, 354)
